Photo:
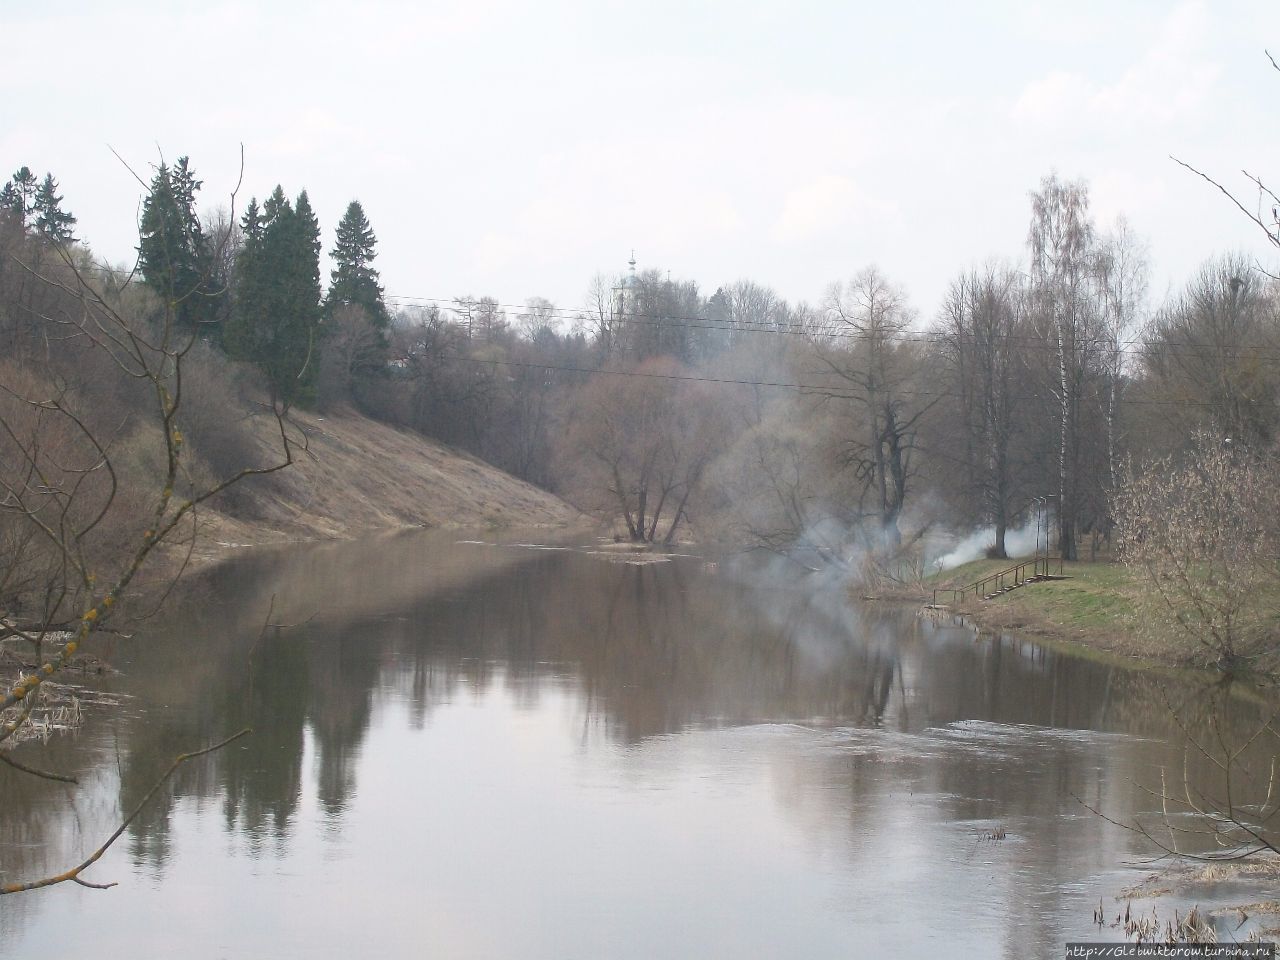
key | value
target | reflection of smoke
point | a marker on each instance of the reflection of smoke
(1019, 542)
(830, 553)
(828, 545)
(810, 608)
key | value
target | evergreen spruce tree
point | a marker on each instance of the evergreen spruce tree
(276, 312)
(24, 181)
(19, 195)
(274, 204)
(11, 202)
(354, 280)
(238, 336)
(307, 247)
(305, 293)
(175, 255)
(52, 222)
(251, 223)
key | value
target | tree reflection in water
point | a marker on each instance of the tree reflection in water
(883, 727)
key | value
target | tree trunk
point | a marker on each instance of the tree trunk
(675, 520)
(1066, 508)
(657, 512)
(637, 534)
(998, 551)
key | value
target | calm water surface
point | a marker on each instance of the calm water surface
(479, 750)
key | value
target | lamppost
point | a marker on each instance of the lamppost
(1042, 519)
(1039, 502)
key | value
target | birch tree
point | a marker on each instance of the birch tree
(1063, 275)
(1122, 275)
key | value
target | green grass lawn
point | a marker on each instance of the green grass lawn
(1097, 603)
(1095, 596)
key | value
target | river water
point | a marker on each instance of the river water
(475, 749)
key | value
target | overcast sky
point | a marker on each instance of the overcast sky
(515, 149)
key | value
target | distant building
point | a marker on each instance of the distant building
(626, 294)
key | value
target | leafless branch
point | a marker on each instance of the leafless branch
(43, 774)
(74, 873)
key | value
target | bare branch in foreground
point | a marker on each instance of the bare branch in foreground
(43, 774)
(74, 873)
(1272, 232)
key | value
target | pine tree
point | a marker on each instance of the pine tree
(251, 223)
(19, 195)
(52, 222)
(11, 202)
(274, 204)
(301, 260)
(306, 239)
(276, 313)
(174, 254)
(354, 280)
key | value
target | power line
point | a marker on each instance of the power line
(809, 388)
(1129, 346)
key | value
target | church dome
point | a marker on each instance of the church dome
(630, 281)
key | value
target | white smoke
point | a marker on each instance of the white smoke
(1019, 542)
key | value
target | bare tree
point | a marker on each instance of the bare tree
(785, 491)
(537, 318)
(640, 445)
(352, 346)
(860, 352)
(753, 305)
(979, 326)
(601, 315)
(1203, 530)
(1209, 350)
(652, 318)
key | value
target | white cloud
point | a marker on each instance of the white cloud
(1115, 192)
(1171, 80)
(817, 208)
(1053, 97)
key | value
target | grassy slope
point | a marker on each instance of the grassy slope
(361, 476)
(1094, 605)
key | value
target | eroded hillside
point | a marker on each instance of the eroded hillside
(358, 476)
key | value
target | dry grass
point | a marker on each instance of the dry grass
(58, 708)
(1198, 879)
(361, 476)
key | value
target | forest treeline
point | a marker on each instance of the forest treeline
(830, 431)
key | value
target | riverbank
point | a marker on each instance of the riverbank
(1093, 605)
(356, 477)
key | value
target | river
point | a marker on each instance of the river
(491, 750)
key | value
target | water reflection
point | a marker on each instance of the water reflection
(510, 751)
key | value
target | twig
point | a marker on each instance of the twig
(74, 873)
(1271, 236)
(44, 774)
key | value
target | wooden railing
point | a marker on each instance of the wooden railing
(1001, 580)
